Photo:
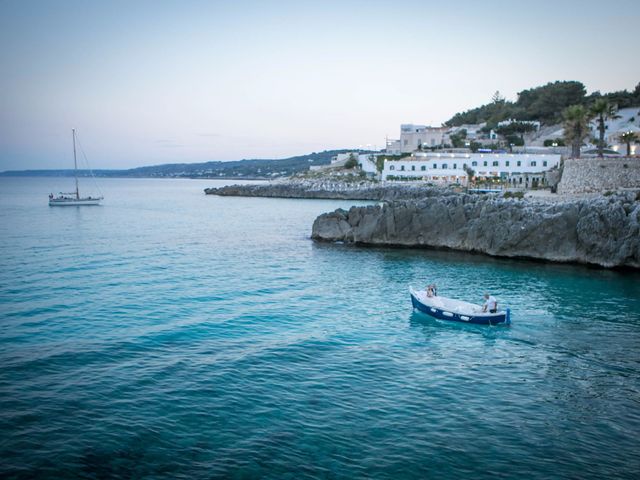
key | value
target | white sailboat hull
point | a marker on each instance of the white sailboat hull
(71, 202)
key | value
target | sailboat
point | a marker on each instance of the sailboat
(74, 198)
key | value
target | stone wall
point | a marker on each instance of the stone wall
(599, 174)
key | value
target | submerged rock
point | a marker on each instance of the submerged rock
(603, 231)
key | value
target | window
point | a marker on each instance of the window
(419, 141)
(506, 163)
(423, 168)
(455, 165)
(406, 142)
(435, 166)
(544, 163)
(444, 165)
(519, 163)
(402, 168)
(484, 163)
(392, 167)
(413, 167)
(533, 163)
(474, 164)
(464, 166)
(495, 163)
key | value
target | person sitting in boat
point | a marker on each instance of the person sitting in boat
(490, 304)
(51, 196)
(432, 290)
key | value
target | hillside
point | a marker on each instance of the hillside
(254, 168)
(544, 104)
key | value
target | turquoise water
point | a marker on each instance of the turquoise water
(169, 334)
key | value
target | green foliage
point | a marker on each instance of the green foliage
(514, 140)
(576, 127)
(457, 140)
(515, 127)
(475, 146)
(352, 162)
(470, 172)
(519, 195)
(621, 98)
(603, 110)
(547, 102)
(628, 138)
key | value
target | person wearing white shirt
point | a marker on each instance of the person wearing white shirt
(490, 304)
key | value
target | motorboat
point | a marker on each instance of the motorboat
(444, 308)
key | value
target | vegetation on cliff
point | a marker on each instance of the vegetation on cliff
(544, 104)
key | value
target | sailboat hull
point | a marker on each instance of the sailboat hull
(71, 202)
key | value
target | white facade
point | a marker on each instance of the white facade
(393, 147)
(412, 136)
(450, 167)
(366, 161)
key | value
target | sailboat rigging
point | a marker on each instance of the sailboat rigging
(70, 199)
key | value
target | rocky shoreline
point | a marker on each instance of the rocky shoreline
(330, 189)
(603, 231)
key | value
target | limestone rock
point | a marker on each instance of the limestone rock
(604, 231)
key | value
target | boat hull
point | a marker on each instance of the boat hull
(442, 314)
(72, 202)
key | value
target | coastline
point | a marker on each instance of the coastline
(601, 231)
(591, 228)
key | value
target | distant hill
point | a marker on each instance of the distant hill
(544, 104)
(254, 168)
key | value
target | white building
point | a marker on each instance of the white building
(366, 161)
(393, 147)
(451, 168)
(413, 136)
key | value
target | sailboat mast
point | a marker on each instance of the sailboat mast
(75, 163)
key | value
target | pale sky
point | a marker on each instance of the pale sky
(149, 82)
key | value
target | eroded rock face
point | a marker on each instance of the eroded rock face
(603, 231)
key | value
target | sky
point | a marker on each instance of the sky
(151, 82)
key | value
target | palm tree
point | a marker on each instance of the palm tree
(603, 111)
(629, 138)
(576, 127)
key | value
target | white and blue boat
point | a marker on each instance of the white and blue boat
(444, 308)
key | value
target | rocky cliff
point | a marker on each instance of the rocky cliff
(603, 231)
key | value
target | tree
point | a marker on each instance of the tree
(603, 111)
(629, 138)
(497, 98)
(514, 140)
(352, 161)
(546, 102)
(458, 138)
(470, 174)
(576, 127)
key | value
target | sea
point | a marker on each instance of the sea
(169, 334)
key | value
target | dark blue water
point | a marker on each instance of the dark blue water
(169, 334)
